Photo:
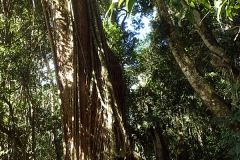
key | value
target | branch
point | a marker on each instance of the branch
(215, 103)
(206, 33)
(218, 53)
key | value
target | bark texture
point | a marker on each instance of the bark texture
(89, 80)
(209, 97)
(160, 147)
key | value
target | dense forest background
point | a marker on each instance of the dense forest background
(77, 83)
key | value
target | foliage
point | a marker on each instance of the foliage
(157, 99)
(221, 8)
(113, 36)
(26, 118)
(128, 3)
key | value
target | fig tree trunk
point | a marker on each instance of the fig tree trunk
(90, 82)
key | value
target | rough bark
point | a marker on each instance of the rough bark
(90, 82)
(209, 97)
(61, 41)
(160, 147)
(220, 58)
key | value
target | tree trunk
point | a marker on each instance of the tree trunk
(90, 82)
(160, 147)
(209, 97)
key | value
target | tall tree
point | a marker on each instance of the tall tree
(210, 98)
(90, 82)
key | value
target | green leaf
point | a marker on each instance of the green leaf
(229, 12)
(219, 4)
(1, 49)
(192, 4)
(237, 6)
(120, 2)
(180, 17)
(175, 2)
(111, 7)
(206, 4)
(190, 17)
(130, 4)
